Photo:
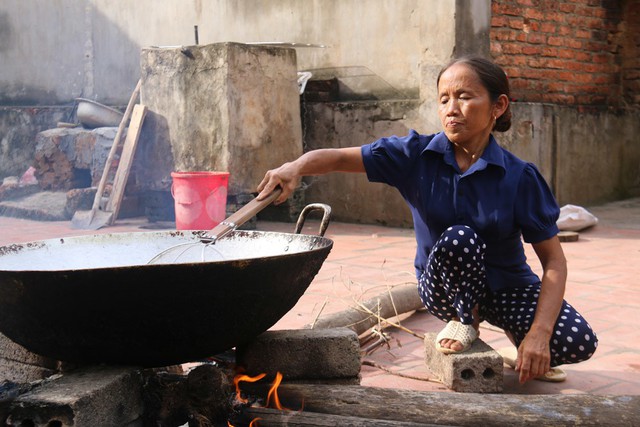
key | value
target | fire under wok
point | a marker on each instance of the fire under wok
(94, 299)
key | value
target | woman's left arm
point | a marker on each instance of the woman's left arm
(534, 354)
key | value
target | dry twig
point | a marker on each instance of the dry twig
(399, 374)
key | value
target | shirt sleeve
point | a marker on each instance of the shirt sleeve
(389, 160)
(536, 209)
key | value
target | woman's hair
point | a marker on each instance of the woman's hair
(493, 78)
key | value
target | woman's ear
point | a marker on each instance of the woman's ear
(500, 106)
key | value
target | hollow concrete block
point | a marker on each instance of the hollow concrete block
(303, 354)
(88, 397)
(477, 370)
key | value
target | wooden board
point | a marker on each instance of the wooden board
(126, 160)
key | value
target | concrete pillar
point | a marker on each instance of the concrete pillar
(225, 107)
(452, 29)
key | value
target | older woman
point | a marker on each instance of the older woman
(472, 203)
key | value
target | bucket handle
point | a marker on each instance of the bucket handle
(173, 193)
(326, 217)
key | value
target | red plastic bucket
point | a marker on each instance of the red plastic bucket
(200, 199)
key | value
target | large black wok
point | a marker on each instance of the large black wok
(94, 299)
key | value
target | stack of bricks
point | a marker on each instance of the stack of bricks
(569, 52)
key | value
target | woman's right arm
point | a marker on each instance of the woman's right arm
(316, 162)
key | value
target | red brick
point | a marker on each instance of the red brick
(505, 9)
(519, 60)
(536, 38)
(567, 7)
(495, 49)
(558, 98)
(534, 14)
(547, 27)
(549, 51)
(555, 41)
(564, 30)
(498, 21)
(554, 16)
(516, 23)
(532, 50)
(557, 87)
(531, 25)
(574, 44)
(565, 76)
(602, 58)
(583, 34)
(502, 34)
(604, 79)
(511, 48)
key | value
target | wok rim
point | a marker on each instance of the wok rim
(322, 242)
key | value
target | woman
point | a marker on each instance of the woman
(472, 203)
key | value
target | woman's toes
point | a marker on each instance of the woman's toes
(451, 344)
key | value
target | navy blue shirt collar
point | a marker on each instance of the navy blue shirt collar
(492, 153)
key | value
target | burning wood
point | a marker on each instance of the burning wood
(272, 401)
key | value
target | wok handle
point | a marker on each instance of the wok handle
(326, 217)
(241, 216)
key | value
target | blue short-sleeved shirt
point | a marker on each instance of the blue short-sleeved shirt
(503, 198)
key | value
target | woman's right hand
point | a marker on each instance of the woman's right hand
(316, 162)
(285, 177)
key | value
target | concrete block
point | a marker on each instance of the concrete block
(12, 351)
(22, 373)
(94, 396)
(303, 354)
(477, 370)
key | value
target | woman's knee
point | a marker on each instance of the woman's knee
(460, 240)
(573, 341)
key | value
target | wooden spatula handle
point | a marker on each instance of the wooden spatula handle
(241, 216)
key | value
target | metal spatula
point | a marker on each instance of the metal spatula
(204, 249)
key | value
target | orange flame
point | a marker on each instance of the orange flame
(273, 392)
(273, 400)
(245, 378)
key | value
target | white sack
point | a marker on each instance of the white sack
(575, 218)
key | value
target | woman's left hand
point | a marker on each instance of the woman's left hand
(534, 353)
(534, 356)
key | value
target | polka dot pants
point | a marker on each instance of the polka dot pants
(454, 282)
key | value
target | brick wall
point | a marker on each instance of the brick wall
(569, 52)
(631, 53)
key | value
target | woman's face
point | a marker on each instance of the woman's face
(465, 108)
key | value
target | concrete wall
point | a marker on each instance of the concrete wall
(586, 157)
(55, 51)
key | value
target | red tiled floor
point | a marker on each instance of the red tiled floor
(603, 285)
